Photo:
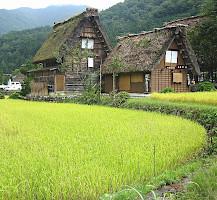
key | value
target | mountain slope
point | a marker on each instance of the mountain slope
(26, 18)
(133, 16)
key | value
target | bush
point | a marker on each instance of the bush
(14, 96)
(90, 96)
(2, 96)
(118, 99)
(25, 87)
(105, 100)
(167, 90)
(205, 86)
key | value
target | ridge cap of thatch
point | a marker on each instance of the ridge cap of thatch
(183, 19)
(87, 13)
(119, 38)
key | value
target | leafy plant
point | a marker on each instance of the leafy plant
(205, 86)
(118, 99)
(25, 87)
(14, 96)
(91, 95)
(167, 90)
(2, 96)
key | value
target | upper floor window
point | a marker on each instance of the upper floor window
(90, 62)
(87, 43)
(171, 57)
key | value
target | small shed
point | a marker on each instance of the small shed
(152, 61)
(84, 29)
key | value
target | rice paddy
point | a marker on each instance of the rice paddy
(205, 98)
(70, 151)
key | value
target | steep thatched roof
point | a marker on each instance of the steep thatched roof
(144, 51)
(66, 31)
(191, 22)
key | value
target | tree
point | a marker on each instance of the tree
(115, 67)
(75, 58)
(204, 39)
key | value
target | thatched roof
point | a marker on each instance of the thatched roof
(68, 31)
(191, 22)
(144, 51)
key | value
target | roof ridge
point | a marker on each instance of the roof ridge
(183, 19)
(88, 12)
(149, 32)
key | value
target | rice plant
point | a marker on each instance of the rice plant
(205, 98)
(70, 151)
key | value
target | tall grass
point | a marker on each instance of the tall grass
(67, 151)
(205, 98)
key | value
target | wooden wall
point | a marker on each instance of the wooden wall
(129, 82)
(162, 78)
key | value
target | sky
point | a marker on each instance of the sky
(13, 4)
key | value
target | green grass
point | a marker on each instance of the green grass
(63, 151)
(204, 180)
(204, 98)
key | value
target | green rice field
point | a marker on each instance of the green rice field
(205, 98)
(70, 151)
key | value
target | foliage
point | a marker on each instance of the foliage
(116, 65)
(203, 185)
(135, 16)
(167, 90)
(204, 39)
(3, 79)
(118, 99)
(205, 86)
(205, 98)
(81, 151)
(14, 96)
(90, 96)
(205, 115)
(2, 96)
(25, 87)
(19, 46)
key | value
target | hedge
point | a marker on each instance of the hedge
(204, 115)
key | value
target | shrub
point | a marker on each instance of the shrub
(14, 96)
(2, 96)
(205, 86)
(105, 100)
(119, 99)
(167, 90)
(90, 96)
(25, 87)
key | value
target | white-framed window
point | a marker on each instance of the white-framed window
(171, 57)
(90, 62)
(87, 43)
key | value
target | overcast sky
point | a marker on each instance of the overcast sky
(100, 4)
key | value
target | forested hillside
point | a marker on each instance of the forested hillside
(26, 18)
(134, 16)
(18, 46)
(131, 16)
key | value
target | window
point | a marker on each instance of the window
(90, 62)
(87, 43)
(171, 57)
(177, 77)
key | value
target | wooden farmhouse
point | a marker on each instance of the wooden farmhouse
(83, 30)
(152, 61)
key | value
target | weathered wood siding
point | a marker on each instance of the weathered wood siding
(73, 76)
(47, 76)
(129, 82)
(162, 78)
